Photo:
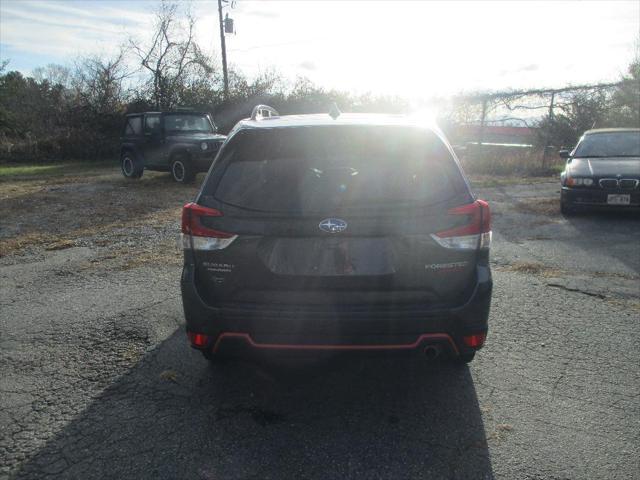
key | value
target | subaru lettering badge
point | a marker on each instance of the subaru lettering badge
(333, 225)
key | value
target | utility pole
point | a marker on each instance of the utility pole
(224, 52)
(547, 139)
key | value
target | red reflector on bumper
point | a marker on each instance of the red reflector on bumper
(475, 341)
(198, 339)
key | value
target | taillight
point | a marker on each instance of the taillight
(475, 341)
(578, 181)
(475, 234)
(198, 340)
(196, 235)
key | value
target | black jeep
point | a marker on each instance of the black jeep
(183, 143)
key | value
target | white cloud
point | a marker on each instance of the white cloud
(394, 47)
(62, 30)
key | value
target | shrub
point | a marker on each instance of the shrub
(504, 161)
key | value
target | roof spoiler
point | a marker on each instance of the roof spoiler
(263, 111)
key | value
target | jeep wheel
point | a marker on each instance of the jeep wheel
(181, 169)
(131, 167)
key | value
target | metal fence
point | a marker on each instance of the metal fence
(473, 118)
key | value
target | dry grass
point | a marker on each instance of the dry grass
(501, 432)
(60, 245)
(55, 214)
(531, 268)
(490, 181)
(19, 171)
(169, 375)
(625, 303)
(547, 272)
(11, 190)
(165, 253)
(131, 354)
(527, 267)
(17, 243)
(53, 240)
(509, 162)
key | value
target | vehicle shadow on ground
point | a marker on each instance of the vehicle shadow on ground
(594, 224)
(175, 416)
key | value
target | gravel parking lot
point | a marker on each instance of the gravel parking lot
(98, 380)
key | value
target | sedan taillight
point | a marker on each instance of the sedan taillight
(476, 234)
(197, 236)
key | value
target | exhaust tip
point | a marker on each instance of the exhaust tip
(432, 352)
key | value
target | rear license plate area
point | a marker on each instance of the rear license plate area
(329, 257)
(617, 199)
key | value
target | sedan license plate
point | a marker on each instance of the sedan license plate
(618, 199)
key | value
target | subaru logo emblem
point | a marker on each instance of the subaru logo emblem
(333, 225)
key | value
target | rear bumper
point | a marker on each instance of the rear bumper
(245, 340)
(338, 328)
(597, 197)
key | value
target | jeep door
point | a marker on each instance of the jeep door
(153, 145)
(132, 133)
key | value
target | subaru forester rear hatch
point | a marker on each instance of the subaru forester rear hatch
(329, 216)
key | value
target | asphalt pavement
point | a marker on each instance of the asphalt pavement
(98, 380)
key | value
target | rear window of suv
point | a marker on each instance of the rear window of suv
(314, 169)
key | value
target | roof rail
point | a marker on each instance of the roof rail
(261, 111)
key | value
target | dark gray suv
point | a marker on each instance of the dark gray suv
(342, 232)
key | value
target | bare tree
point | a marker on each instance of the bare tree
(99, 82)
(173, 57)
(625, 105)
(53, 73)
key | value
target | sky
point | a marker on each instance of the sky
(412, 49)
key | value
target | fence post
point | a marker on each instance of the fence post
(482, 122)
(477, 151)
(548, 133)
